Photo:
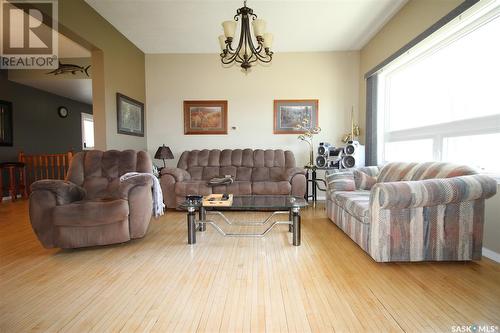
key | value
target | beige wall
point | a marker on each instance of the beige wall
(170, 79)
(415, 17)
(118, 66)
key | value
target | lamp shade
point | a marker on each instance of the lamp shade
(229, 28)
(222, 42)
(164, 153)
(259, 27)
(268, 40)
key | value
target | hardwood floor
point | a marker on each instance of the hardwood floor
(159, 283)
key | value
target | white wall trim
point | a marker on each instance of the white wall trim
(491, 254)
(9, 198)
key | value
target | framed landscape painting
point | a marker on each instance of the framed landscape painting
(205, 117)
(289, 113)
(130, 115)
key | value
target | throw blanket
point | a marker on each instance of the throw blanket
(220, 181)
(158, 205)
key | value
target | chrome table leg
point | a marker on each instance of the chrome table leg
(191, 224)
(202, 219)
(296, 225)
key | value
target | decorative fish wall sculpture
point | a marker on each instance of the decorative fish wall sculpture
(70, 68)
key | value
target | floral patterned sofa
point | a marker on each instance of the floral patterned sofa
(411, 211)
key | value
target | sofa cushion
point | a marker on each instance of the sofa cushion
(192, 187)
(398, 171)
(244, 174)
(355, 203)
(363, 181)
(272, 188)
(108, 165)
(340, 180)
(228, 170)
(236, 188)
(261, 174)
(210, 172)
(91, 212)
(250, 158)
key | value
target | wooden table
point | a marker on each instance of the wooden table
(16, 173)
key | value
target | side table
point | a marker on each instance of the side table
(15, 171)
(312, 178)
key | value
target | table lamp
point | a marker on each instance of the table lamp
(164, 153)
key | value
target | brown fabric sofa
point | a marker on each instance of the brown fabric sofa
(92, 207)
(257, 172)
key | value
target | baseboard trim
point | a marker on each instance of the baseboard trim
(8, 198)
(491, 254)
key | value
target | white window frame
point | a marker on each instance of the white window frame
(456, 29)
(84, 117)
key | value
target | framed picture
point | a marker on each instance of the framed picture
(130, 115)
(6, 124)
(289, 113)
(205, 117)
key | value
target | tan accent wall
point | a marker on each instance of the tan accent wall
(331, 77)
(118, 66)
(414, 18)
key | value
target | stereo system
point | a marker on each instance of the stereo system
(350, 156)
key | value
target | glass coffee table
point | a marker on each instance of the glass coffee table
(278, 204)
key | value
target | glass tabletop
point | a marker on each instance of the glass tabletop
(254, 202)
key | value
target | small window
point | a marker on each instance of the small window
(87, 131)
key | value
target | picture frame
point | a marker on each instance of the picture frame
(129, 115)
(205, 117)
(288, 113)
(6, 124)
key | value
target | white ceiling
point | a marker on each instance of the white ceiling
(192, 26)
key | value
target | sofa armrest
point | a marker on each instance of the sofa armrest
(433, 192)
(340, 180)
(64, 191)
(178, 174)
(128, 184)
(289, 173)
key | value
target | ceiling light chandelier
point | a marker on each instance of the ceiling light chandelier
(246, 52)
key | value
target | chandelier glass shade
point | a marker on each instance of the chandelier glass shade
(251, 47)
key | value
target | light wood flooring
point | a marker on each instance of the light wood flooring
(159, 283)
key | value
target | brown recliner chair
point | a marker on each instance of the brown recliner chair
(92, 207)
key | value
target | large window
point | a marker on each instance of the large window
(441, 100)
